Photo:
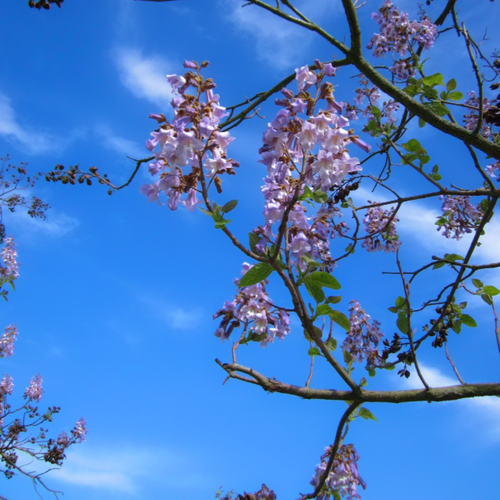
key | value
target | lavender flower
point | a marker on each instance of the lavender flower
(381, 227)
(34, 391)
(459, 216)
(9, 256)
(7, 341)
(344, 476)
(363, 337)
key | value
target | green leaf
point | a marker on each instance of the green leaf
(477, 283)
(372, 372)
(402, 324)
(319, 196)
(314, 290)
(453, 256)
(457, 326)
(400, 302)
(341, 319)
(331, 344)
(490, 290)
(348, 357)
(210, 214)
(438, 108)
(455, 96)
(221, 223)
(324, 280)
(433, 80)
(393, 309)
(438, 265)
(451, 85)
(376, 112)
(366, 414)
(487, 299)
(412, 146)
(333, 299)
(256, 274)
(253, 239)
(468, 320)
(314, 351)
(230, 205)
(318, 332)
(309, 260)
(323, 310)
(421, 123)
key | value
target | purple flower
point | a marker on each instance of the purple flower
(7, 341)
(363, 337)
(80, 431)
(381, 227)
(9, 256)
(305, 78)
(34, 391)
(459, 216)
(6, 386)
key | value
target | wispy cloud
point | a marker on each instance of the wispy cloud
(172, 315)
(486, 408)
(127, 469)
(144, 75)
(417, 223)
(277, 41)
(114, 142)
(25, 138)
(56, 225)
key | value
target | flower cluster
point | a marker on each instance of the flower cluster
(459, 216)
(398, 35)
(363, 337)
(381, 223)
(7, 341)
(191, 142)
(494, 170)
(34, 391)
(10, 270)
(344, 476)
(306, 157)
(253, 309)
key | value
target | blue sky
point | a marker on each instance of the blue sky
(115, 300)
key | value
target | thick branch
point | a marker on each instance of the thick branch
(438, 394)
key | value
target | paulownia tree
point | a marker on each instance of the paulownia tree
(312, 225)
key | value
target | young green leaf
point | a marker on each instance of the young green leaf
(490, 290)
(230, 205)
(366, 414)
(256, 274)
(468, 320)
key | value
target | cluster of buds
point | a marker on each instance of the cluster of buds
(459, 216)
(381, 228)
(399, 36)
(363, 337)
(343, 478)
(443, 326)
(191, 149)
(253, 309)
(44, 4)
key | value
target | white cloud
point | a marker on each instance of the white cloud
(27, 139)
(124, 469)
(487, 408)
(417, 223)
(56, 225)
(114, 142)
(174, 316)
(144, 76)
(277, 41)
